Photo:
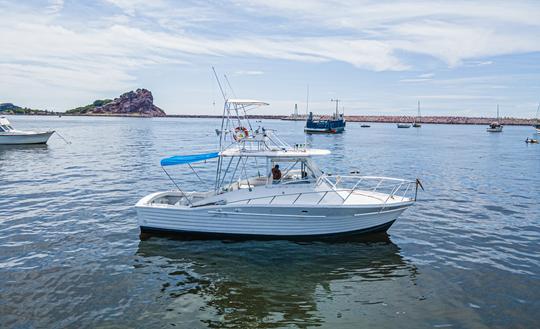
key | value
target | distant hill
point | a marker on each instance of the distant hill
(9, 108)
(88, 109)
(133, 103)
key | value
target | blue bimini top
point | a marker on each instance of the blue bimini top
(183, 159)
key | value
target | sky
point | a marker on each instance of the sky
(378, 57)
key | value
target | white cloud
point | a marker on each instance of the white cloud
(452, 31)
(103, 50)
(252, 72)
(55, 6)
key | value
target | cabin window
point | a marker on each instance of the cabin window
(2, 128)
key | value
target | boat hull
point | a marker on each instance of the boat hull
(20, 139)
(324, 131)
(494, 130)
(267, 222)
(152, 231)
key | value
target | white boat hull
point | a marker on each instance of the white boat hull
(267, 221)
(494, 130)
(403, 125)
(25, 138)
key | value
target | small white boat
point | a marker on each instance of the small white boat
(252, 198)
(11, 136)
(495, 126)
(404, 125)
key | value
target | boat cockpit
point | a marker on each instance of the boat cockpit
(281, 171)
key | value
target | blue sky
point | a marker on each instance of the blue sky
(379, 57)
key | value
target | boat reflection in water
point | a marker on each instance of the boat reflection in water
(277, 283)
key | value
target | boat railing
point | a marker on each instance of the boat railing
(382, 185)
(385, 190)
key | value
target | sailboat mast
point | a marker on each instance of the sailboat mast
(497, 112)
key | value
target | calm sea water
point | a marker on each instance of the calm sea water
(467, 255)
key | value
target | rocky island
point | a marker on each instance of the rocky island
(133, 103)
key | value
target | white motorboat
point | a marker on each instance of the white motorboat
(249, 198)
(11, 136)
(404, 125)
(495, 126)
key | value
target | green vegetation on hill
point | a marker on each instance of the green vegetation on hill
(9, 108)
(89, 107)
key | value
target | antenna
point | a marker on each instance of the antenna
(337, 103)
(219, 84)
(307, 114)
(307, 100)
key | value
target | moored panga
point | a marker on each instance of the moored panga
(266, 188)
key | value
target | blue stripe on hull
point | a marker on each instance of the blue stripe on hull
(149, 231)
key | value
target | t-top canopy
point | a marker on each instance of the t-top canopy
(183, 159)
(246, 102)
(287, 153)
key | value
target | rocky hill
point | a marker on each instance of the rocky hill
(133, 103)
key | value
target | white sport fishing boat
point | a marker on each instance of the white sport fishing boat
(11, 136)
(252, 198)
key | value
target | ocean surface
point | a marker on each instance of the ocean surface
(467, 255)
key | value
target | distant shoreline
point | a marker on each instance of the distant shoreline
(350, 118)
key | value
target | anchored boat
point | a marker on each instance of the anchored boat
(333, 125)
(264, 187)
(404, 125)
(11, 136)
(495, 126)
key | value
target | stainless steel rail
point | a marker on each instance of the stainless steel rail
(399, 185)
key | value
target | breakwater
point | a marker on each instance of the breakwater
(392, 119)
